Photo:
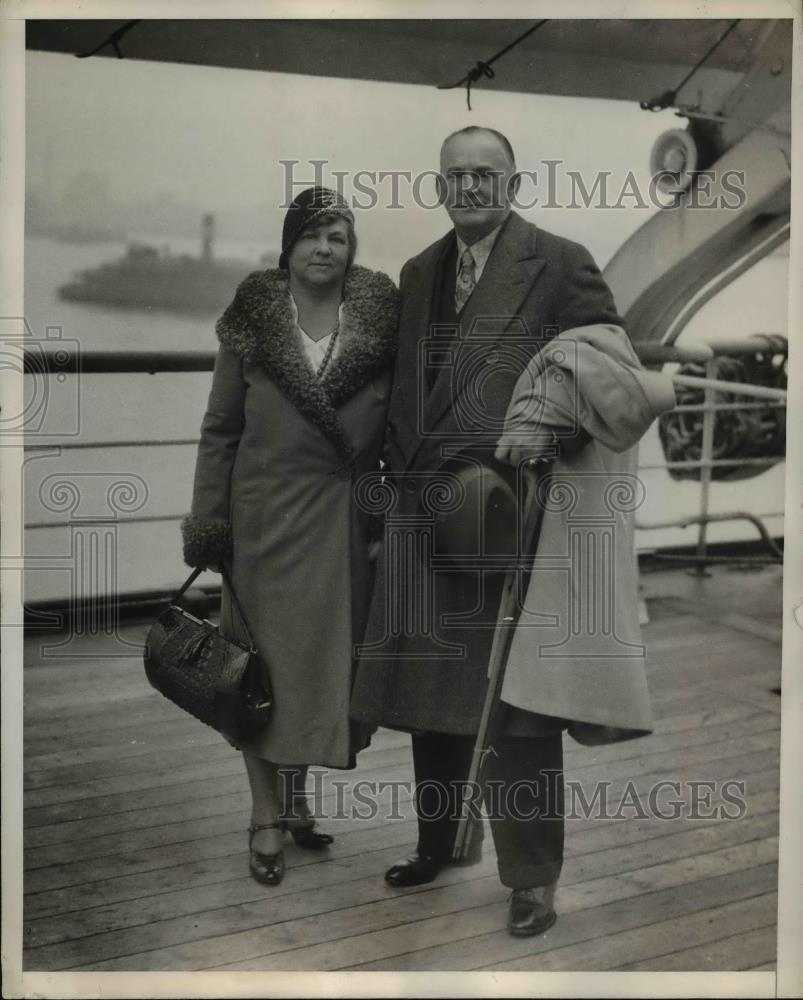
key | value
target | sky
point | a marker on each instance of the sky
(215, 137)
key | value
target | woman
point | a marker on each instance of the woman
(296, 414)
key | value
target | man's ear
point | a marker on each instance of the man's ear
(513, 185)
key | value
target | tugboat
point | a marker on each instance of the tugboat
(146, 278)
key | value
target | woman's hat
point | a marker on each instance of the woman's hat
(310, 205)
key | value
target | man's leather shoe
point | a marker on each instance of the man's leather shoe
(531, 910)
(415, 870)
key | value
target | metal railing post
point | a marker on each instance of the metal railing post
(709, 418)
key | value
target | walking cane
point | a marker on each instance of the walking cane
(503, 635)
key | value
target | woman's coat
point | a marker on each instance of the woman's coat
(279, 455)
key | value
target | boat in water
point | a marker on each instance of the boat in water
(149, 278)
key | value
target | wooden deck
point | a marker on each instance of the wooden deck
(135, 844)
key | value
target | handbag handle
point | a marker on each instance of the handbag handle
(234, 599)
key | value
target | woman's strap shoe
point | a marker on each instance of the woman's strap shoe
(268, 869)
(300, 823)
(309, 838)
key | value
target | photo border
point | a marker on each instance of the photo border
(788, 981)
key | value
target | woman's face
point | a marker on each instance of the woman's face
(320, 256)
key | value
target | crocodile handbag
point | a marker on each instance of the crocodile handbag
(213, 678)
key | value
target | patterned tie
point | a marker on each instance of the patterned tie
(466, 280)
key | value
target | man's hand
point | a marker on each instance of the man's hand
(565, 443)
(516, 454)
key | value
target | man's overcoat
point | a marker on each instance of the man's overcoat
(424, 662)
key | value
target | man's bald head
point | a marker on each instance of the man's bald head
(503, 140)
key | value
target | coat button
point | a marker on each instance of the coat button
(392, 428)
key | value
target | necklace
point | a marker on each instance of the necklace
(329, 350)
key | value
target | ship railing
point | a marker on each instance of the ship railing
(143, 362)
(706, 353)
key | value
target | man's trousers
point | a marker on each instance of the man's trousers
(522, 793)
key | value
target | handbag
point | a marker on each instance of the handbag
(215, 679)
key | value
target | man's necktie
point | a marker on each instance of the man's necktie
(466, 280)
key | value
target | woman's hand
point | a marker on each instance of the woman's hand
(374, 549)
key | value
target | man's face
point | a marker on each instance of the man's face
(477, 177)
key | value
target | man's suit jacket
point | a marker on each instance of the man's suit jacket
(533, 286)
(419, 666)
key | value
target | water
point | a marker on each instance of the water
(50, 263)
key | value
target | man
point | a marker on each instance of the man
(476, 306)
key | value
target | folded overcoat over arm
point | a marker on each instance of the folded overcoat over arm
(577, 650)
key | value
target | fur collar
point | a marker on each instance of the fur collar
(258, 325)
